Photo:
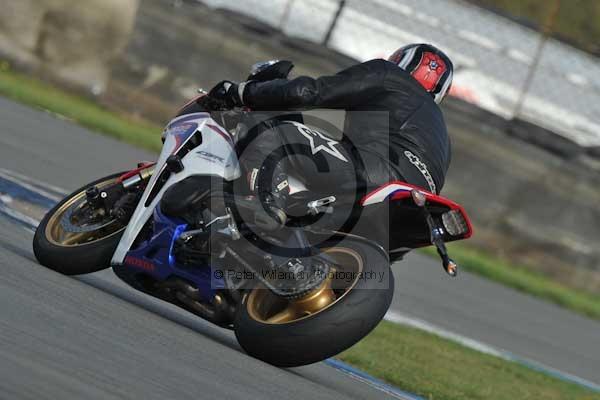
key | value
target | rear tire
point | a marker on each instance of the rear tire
(329, 331)
(76, 259)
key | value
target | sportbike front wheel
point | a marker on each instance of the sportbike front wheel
(350, 302)
(75, 239)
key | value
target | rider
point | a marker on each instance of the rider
(409, 143)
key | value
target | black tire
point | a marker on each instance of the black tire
(74, 260)
(328, 332)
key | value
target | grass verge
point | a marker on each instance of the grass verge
(435, 368)
(416, 361)
(522, 279)
(35, 93)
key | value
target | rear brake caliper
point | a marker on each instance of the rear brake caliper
(436, 234)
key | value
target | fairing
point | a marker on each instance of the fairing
(214, 156)
(405, 224)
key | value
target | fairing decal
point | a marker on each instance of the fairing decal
(382, 193)
(398, 190)
(176, 134)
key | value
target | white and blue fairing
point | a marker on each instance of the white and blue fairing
(214, 156)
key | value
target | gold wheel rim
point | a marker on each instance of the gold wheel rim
(57, 235)
(266, 307)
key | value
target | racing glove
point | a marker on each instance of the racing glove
(229, 93)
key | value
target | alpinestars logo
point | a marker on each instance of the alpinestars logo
(319, 142)
(422, 167)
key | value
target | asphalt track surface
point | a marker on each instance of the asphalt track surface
(93, 337)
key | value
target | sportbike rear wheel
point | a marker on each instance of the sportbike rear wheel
(73, 238)
(342, 310)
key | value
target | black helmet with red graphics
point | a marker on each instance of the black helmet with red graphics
(430, 66)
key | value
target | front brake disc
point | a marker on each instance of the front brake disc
(66, 221)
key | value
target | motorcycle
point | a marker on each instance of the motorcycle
(182, 230)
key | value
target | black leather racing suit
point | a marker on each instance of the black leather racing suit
(392, 123)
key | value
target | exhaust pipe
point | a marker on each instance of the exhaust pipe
(220, 313)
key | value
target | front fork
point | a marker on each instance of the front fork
(143, 172)
(118, 198)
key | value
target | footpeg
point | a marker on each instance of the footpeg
(226, 225)
(193, 247)
(321, 206)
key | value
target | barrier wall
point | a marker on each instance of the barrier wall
(72, 40)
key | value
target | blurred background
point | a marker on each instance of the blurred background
(524, 112)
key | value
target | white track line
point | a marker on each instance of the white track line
(391, 316)
(400, 318)
(34, 181)
(34, 186)
(367, 379)
(404, 319)
(27, 220)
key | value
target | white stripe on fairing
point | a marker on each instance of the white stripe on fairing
(198, 115)
(381, 194)
(403, 319)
